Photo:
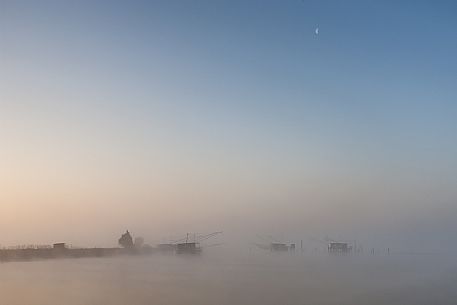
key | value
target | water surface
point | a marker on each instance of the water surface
(254, 279)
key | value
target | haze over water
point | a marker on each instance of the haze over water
(248, 279)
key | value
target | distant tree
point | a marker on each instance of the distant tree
(126, 240)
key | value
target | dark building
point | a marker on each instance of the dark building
(59, 246)
(188, 248)
(278, 247)
(339, 248)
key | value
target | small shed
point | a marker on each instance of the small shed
(278, 247)
(188, 248)
(339, 247)
(59, 246)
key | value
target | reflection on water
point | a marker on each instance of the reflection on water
(251, 279)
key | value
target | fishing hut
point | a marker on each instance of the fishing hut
(339, 248)
(279, 247)
(188, 248)
(192, 246)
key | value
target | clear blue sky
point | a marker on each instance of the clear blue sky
(242, 95)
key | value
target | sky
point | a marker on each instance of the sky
(167, 117)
